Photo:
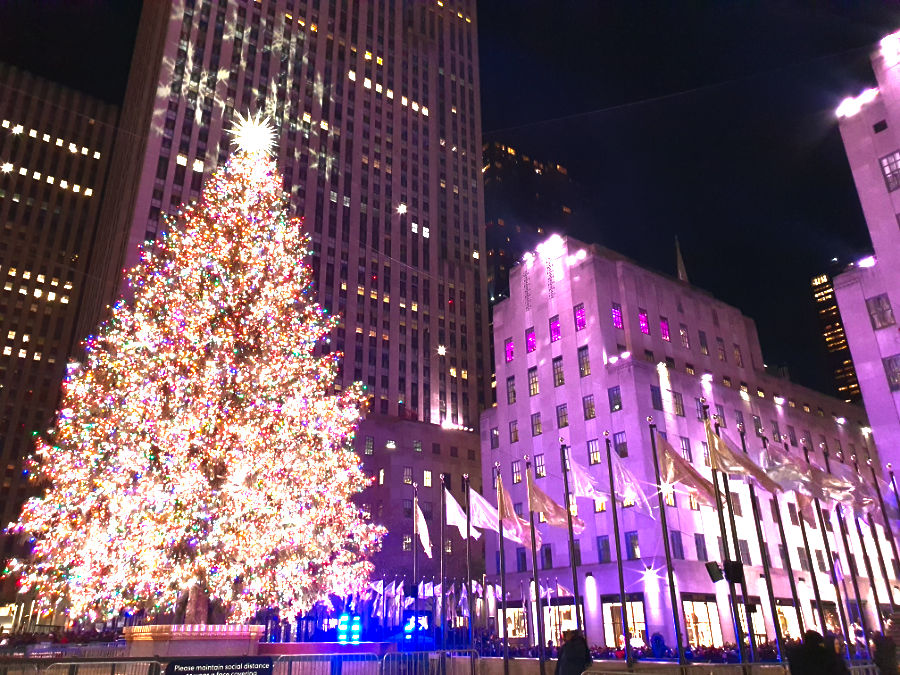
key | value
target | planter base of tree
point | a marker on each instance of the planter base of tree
(190, 640)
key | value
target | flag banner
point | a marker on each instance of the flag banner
(477, 589)
(456, 516)
(483, 514)
(422, 527)
(583, 483)
(831, 487)
(407, 602)
(514, 528)
(378, 586)
(676, 470)
(864, 497)
(563, 592)
(437, 589)
(547, 591)
(805, 507)
(728, 459)
(463, 605)
(556, 515)
(627, 489)
(789, 472)
(892, 509)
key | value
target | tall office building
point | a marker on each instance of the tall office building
(524, 198)
(54, 151)
(590, 345)
(843, 372)
(376, 108)
(869, 290)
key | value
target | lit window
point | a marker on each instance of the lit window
(509, 349)
(664, 328)
(890, 168)
(407, 475)
(536, 428)
(593, 447)
(644, 321)
(562, 416)
(533, 386)
(584, 361)
(511, 389)
(617, 315)
(559, 378)
(580, 317)
(426, 478)
(530, 340)
(587, 403)
(615, 398)
(540, 469)
(370, 445)
(554, 328)
(514, 431)
(517, 471)
(685, 337)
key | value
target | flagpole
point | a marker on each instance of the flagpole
(888, 531)
(471, 616)
(673, 597)
(842, 527)
(764, 551)
(502, 570)
(539, 610)
(415, 548)
(442, 570)
(868, 561)
(894, 486)
(723, 532)
(629, 656)
(792, 583)
(845, 627)
(751, 641)
(579, 623)
(882, 566)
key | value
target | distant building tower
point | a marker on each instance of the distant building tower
(843, 372)
(525, 199)
(54, 152)
(868, 292)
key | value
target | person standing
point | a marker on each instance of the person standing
(574, 654)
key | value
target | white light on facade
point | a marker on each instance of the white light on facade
(890, 49)
(779, 400)
(868, 261)
(401, 208)
(442, 350)
(853, 104)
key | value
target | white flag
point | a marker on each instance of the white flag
(627, 487)
(583, 483)
(423, 530)
(555, 514)
(483, 514)
(463, 605)
(456, 516)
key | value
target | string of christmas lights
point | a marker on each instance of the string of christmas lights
(201, 444)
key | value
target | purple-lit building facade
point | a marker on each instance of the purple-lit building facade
(868, 292)
(589, 342)
(377, 112)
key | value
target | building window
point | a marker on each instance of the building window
(600, 504)
(620, 444)
(689, 369)
(656, 397)
(495, 438)
(554, 328)
(664, 328)
(738, 357)
(584, 361)
(720, 348)
(533, 387)
(632, 547)
(686, 448)
(587, 403)
(700, 544)
(517, 471)
(509, 349)
(792, 514)
(511, 389)
(890, 168)
(426, 478)
(644, 321)
(804, 561)
(704, 347)
(757, 426)
(892, 370)
(705, 447)
(558, 378)
(720, 415)
(617, 320)
(677, 545)
(417, 446)
(521, 560)
(514, 431)
(407, 542)
(701, 414)
(593, 447)
(370, 445)
(540, 468)
(739, 417)
(536, 429)
(685, 336)
(407, 508)
(546, 557)
(603, 553)
(880, 311)
(407, 475)
(530, 340)
(615, 398)
(792, 435)
(678, 403)
(580, 317)
(562, 416)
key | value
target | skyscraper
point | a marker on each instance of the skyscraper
(54, 158)
(834, 338)
(869, 290)
(376, 105)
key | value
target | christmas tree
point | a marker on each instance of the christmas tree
(201, 448)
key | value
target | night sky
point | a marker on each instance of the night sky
(713, 121)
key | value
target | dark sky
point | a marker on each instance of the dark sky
(713, 121)
(710, 120)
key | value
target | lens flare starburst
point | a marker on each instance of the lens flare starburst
(254, 135)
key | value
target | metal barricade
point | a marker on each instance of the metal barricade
(864, 668)
(98, 667)
(327, 664)
(446, 662)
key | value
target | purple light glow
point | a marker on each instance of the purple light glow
(509, 348)
(617, 316)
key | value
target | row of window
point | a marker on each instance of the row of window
(369, 448)
(555, 331)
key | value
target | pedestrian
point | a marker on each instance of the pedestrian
(574, 654)
(810, 657)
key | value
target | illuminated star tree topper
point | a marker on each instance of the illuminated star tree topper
(203, 450)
